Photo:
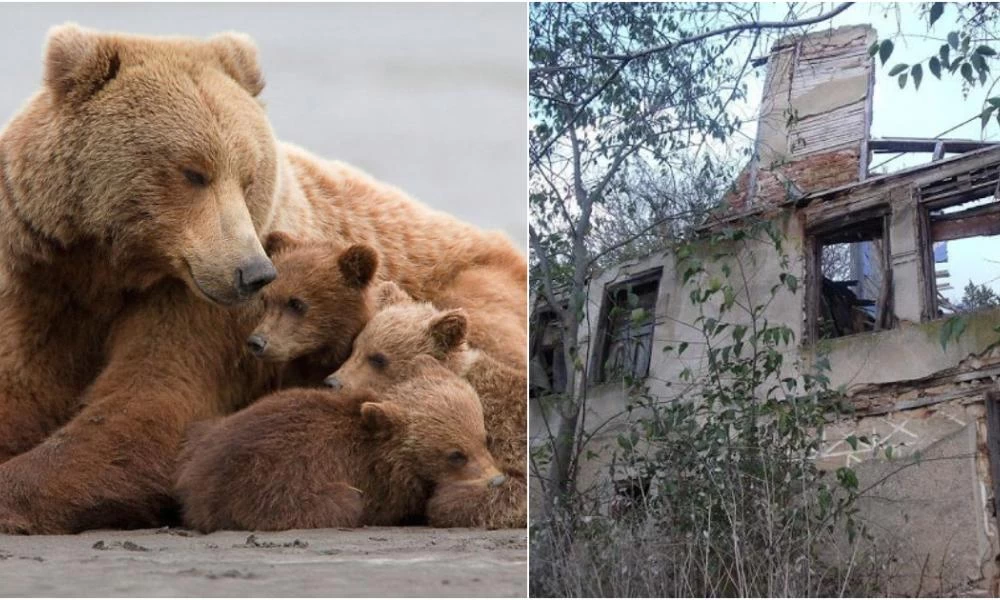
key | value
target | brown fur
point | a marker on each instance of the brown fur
(317, 458)
(315, 308)
(389, 349)
(133, 185)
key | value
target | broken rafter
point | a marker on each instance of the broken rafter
(966, 227)
(935, 145)
(941, 180)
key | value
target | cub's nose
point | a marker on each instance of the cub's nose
(497, 481)
(256, 344)
(254, 275)
(332, 382)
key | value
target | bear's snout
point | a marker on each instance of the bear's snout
(333, 382)
(256, 343)
(498, 480)
(254, 275)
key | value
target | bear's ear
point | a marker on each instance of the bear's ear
(78, 63)
(358, 264)
(277, 242)
(237, 54)
(448, 330)
(380, 417)
(389, 294)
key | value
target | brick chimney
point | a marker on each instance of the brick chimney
(815, 115)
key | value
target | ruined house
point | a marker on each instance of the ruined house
(878, 309)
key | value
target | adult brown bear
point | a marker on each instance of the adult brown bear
(135, 188)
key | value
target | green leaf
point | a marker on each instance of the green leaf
(917, 72)
(902, 81)
(847, 478)
(979, 62)
(873, 49)
(898, 69)
(936, 9)
(885, 50)
(985, 50)
(994, 101)
(852, 441)
(935, 66)
(953, 39)
(945, 52)
(680, 349)
(967, 73)
(985, 116)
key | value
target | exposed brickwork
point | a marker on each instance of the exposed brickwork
(809, 174)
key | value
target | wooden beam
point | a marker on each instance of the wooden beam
(938, 151)
(977, 211)
(901, 144)
(965, 227)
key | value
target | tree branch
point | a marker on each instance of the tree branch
(751, 26)
(624, 60)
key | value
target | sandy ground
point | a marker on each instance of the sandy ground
(410, 561)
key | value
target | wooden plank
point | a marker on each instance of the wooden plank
(875, 191)
(921, 402)
(993, 446)
(865, 141)
(955, 229)
(938, 151)
(894, 145)
(976, 211)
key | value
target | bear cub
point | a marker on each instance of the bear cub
(315, 308)
(391, 348)
(310, 458)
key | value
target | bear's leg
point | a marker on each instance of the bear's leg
(464, 505)
(333, 505)
(42, 372)
(112, 464)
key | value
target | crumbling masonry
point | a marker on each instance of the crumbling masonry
(879, 317)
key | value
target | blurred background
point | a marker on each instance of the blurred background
(428, 97)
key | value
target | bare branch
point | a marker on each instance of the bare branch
(624, 60)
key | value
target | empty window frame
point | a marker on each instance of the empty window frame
(961, 225)
(548, 364)
(851, 291)
(625, 331)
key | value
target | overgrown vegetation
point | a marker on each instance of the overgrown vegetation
(718, 493)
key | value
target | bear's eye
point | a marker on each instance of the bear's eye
(297, 306)
(457, 458)
(195, 178)
(378, 360)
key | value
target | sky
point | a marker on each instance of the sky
(428, 97)
(935, 108)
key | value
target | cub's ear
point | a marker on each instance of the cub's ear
(388, 294)
(78, 62)
(448, 330)
(380, 417)
(358, 264)
(237, 55)
(277, 242)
